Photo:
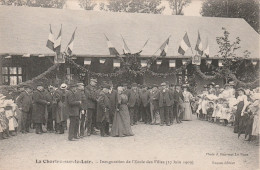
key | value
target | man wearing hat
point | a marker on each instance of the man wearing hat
(83, 109)
(103, 105)
(217, 88)
(73, 104)
(51, 117)
(165, 100)
(133, 103)
(60, 108)
(154, 105)
(112, 95)
(24, 102)
(39, 107)
(177, 104)
(145, 104)
(91, 94)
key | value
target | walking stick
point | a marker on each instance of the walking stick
(85, 121)
(79, 124)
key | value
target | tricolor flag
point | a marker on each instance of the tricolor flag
(185, 44)
(198, 46)
(126, 50)
(50, 42)
(164, 47)
(57, 42)
(112, 49)
(69, 48)
(206, 50)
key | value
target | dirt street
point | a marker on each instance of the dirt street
(191, 145)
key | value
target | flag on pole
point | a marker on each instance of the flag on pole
(198, 46)
(164, 47)
(69, 48)
(112, 49)
(185, 44)
(206, 50)
(126, 50)
(50, 41)
(143, 46)
(57, 42)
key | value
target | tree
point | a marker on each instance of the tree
(87, 4)
(35, 3)
(134, 6)
(247, 9)
(178, 5)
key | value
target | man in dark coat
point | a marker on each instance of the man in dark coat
(145, 104)
(165, 100)
(73, 104)
(112, 96)
(133, 103)
(24, 102)
(103, 105)
(91, 94)
(51, 117)
(60, 110)
(83, 109)
(172, 89)
(177, 105)
(39, 108)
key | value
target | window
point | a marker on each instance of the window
(12, 75)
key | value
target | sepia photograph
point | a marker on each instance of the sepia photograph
(129, 84)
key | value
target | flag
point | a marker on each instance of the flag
(126, 50)
(185, 44)
(164, 47)
(206, 50)
(50, 41)
(198, 46)
(57, 43)
(70, 45)
(112, 49)
(143, 46)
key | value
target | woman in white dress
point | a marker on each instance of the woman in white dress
(186, 104)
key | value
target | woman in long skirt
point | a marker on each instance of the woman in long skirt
(121, 125)
(186, 104)
(241, 106)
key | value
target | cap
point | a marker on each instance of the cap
(27, 86)
(205, 86)
(163, 84)
(217, 85)
(134, 85)
(212, 83)
(73, 85)
(80, 84)
(93, 80)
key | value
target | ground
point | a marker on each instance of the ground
(191, 145)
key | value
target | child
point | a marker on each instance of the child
(10, 113)
(4, 129)
(210, 111)
(226, 113)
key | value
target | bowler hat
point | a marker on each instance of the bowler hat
(27, 86)
(73, 85)
(105, 85)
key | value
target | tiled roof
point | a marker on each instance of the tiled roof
(26, 29)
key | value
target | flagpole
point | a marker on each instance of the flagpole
(68, 43)
(160, 47)
(190, 44)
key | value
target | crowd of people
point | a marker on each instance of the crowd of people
(229, 106)
(92, 108)
(112, 111)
